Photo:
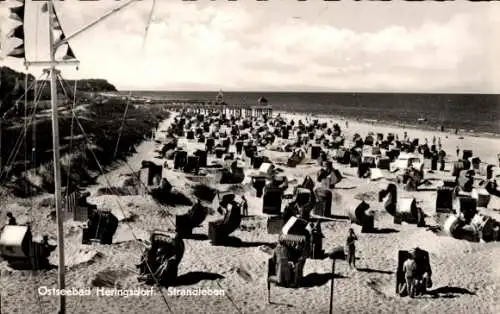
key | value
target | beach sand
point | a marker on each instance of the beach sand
(456, 264)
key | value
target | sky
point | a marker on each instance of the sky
(278, 45)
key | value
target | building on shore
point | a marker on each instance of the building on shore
(239, 110)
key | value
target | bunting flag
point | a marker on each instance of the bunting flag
(17, 14)
(56, 26)
(45, 8)
(17, 32)
(70, 55)
(17, 52)
(55, 20)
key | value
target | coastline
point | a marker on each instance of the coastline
(388, 123)
(376, 251)
(482, 146)
(425, 125)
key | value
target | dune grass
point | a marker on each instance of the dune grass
(87, 142)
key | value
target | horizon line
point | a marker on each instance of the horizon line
(307, 91)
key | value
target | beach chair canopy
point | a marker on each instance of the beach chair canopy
(15, 241)
(407, 205)
(266, 168)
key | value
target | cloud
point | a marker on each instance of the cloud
(232, 47)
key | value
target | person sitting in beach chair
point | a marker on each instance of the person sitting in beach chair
(11, 220)
(286, 266)
(165, 262)
(159, 262)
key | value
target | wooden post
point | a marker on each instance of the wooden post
(331, 286)
(1, 165)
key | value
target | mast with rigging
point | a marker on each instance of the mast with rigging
(18, 14)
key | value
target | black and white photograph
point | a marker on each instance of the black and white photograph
(246, 156)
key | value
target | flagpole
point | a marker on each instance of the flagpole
(57, 165)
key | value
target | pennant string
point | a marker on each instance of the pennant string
(17, 52)
(61, 38)
(18, 14)
(69, 54)
(56, 25)
(17, 32)
(55, 20)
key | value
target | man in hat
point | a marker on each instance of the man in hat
(45, 242)
(12, 221)
(410, 270)
(47, 248)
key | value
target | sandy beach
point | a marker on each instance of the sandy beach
(468, 273)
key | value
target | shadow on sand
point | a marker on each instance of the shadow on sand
(317, 280)
(376, 271)
(195, 277)
(237, 242)
(384, 231)
(449, 292)
(171, 198)
(196, 236)
(331, 218)
(27, 267)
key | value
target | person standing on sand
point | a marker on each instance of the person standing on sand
(351, 249)
(458, 151)
(410, 268)
(12, 221)
(244, 206)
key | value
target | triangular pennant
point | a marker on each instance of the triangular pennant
(17, 52)
(17, 32)
(45, 8)
(57, 33)
(55, 20)
(17, 13)
(60, 39)
(70, 55)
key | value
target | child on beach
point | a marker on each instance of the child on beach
(351, 249)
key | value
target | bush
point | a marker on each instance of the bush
(101, 122)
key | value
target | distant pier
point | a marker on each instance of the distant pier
(207, 107)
